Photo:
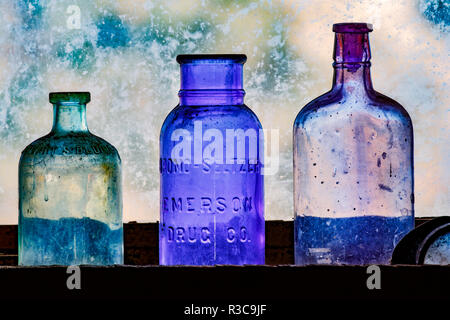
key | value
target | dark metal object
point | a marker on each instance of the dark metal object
(414, 246)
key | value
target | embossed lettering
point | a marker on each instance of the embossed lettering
(244, 235)
(180, 235)
(192, 234)
(190, 204)
(221, 204)
(205, 236)
(206, 204)
(177, 204)
(231, 235)
(170, 234)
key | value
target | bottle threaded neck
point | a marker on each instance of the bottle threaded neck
(212, 72)
(211, 79)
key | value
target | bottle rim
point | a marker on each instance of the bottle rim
(211, 58)
(77, 97)
(352, 27)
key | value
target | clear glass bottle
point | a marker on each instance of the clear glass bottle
(353, 164)
(70, 192)
(212, 202)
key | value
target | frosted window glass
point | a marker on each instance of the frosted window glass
(123, 52)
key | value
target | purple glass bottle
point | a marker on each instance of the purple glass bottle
(353, 164)
(212, 202)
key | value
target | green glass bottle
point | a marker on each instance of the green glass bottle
(70, 192)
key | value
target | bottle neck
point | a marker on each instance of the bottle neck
(69, 118)
(211, 83)
(352, 63)
(353, 80)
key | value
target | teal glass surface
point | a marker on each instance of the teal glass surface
(70, 193)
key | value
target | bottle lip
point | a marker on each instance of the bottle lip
(77, 97)
(352, 27)
(211, 58)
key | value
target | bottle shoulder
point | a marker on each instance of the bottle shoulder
(373, 105)
(390, 105)
(83, 144)
(320, 103)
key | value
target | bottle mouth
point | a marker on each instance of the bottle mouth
(211, 58)
(75, 97)
(352, 27)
